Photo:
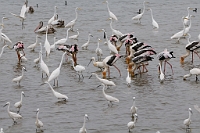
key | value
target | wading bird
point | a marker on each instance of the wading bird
(43, 66)
(98, 51)
(38, 123)
(14, 116)
(133, 108)
(2, 49)
(32, 46)
(194, 71)
(162, 76)
(187, 121)
(78, 69)
(43, 29)
(19, 46)
(57, 94)
(96, 63)
(111, 14)
(131, 124)
(154, 23)
(54, 75)
(72, 23)
(18, 105)
(83, 129)
(85, 45)
(75, 37)
(139, 16)
(63, 40)
(128, 78)
(19, 78)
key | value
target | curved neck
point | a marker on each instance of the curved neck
(76, 14)
(21, 97)
(187, 54)
(108, 7)
(61, 60)
(151, 14)
(188, 12)
(67, 34)
(189, 115)
(2, 50)
(37, 115)
(84, 122)
(8, 109)
(88, 38)
(55, 11)
(103, 91)
(143, 7)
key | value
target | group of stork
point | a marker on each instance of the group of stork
(137, 55)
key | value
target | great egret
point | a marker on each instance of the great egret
(187, 121)
(186, 18)
(154, 23)
(14, 116)
(72, 23)
(52, 47)
(57, 94)
(139, 16)
(112, 15)
(47, 45)
(85, 45)
(18, 105)
(52, 18)
(43, 66)
(32, 46)
(63, 40)
(38, 123)
(83, 129)
(109, 98)
(75, 37)
(19, 78)
(54, 75)
(115, 32)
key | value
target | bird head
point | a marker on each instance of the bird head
(86, 116)
(23, 94)
(190, 110)
(6, 104)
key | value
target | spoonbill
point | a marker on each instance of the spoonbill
(38, 123)
(131, 124)
(14, 116)
(109, 98)
(54, 75)
(187, 121)
(83, 129)
(19, 78)
(194, 71)
(57, 94)
(96, 63)
(18, 105)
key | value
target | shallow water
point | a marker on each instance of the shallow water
(162, 107)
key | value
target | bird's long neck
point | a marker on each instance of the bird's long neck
(134, 103)
(21, 97)
(2, 50)
(189, 115)
(67, 34)
(37, 116)
(98, 44)
(88, 39)
(22, 72)
(46, 32)
(76, 14)
(135, 118)
(55, 11)
(84, 122)
(108, 8)
(103, 91)
(186, 55)
(190, 22)
(111, 24)
(143, 7)
(8, 109)
(151, 14)
(61, 60)
(188, 12)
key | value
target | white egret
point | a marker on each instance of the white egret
(111, 47)
(1, 130)
(186, 18)
(38, 123)
(114, 31)
(18, 105)
(139, 16)
(47, 45)
(37, 60)
(96, 63)
(57, 94)
(75, 37)
(112, 15)
(133, 108)
(131, 124)
(109, 98)
(179, 34)
(52, 47)
(128, 79)
(162, 76)
(52, 18)
(187, 121)
(2, 49)
(19, 78)
(78, 69)
(154, 23)
(4, 37)
(85, 45)
(22, 14)
(32, 46)
(54, 75)
(14, 116)
(72, 23)
(43, 66)
(104, 81)
(63, 40)
(98, 50)
(83, 129)
(194, 71)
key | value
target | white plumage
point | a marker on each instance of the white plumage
(19, 78)
(18, 105)
(83, 129)
(38, 123)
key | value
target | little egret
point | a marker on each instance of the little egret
(131, 124)
(187, 121)
(78, 69)
(128, 79)
(19, 78)
(133, 108)
(57, 94)
(85, 45)
(14, 116)
(109, 98)
(32, 46)
(38, 123)
(75, 37)
(18, 105)
(98, 50)
(83, 129)
(54, 75)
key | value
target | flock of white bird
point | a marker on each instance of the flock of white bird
(105, 83)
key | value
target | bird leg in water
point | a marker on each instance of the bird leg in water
(197, 78)
(169, 65)
(117, 69)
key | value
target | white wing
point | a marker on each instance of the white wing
(23, 11)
